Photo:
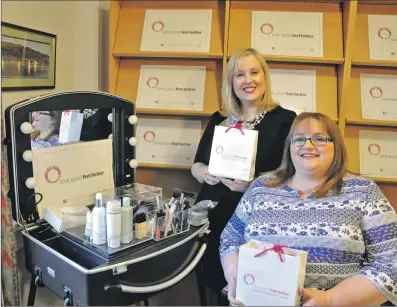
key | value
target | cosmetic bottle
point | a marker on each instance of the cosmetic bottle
(126, 221)
(140, 226)
(113, 222)
(88, 224)
(99, 221)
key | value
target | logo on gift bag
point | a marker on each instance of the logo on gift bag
(152, 82)
(376, 92)
(384, 33)
(149, 136)
(249, 279)
(158, 26)
(374, 149)
(52, 174)
(267, 28)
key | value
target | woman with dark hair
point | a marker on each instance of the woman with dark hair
(312, 203)
(46, 125)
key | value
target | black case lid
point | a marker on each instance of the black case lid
(22, 202)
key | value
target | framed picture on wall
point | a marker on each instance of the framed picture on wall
(28, 58)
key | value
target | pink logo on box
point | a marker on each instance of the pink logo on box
(267, 28)
(376, 92)
(249, 279)
(158, 26)
(384, 33)
(149, 136)
(52, 174)
(374, 149)
(152, 82)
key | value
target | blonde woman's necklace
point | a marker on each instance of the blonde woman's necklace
(251, 124)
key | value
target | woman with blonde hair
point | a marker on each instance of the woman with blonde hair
(312, 203)
(247, 98)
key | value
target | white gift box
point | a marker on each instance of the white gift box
(71, 125)
(233, 153)
(266, 277)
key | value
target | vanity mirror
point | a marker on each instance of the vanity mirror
(35, 123)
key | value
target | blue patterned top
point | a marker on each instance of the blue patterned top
(347, 234)
(36, 143)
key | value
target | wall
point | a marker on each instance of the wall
(76, 25)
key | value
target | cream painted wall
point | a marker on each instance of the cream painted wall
(76, 24)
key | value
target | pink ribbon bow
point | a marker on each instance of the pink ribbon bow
(277, 248)
(237, 126)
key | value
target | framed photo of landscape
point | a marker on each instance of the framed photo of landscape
(28, 58)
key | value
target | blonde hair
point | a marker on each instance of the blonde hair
(337, 170)
(232, 104)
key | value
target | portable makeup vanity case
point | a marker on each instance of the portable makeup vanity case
(79, 274)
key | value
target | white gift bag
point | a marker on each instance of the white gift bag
(71, 125)
(233, 153)
(270, 275)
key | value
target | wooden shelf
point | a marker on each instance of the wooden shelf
(128, 81)
(353, 110)
(298, 59)
(371, 122)
(351, 138)
(131, 21)
(326, 85)
(173, 112)
(241, 20)
(361, 43)
(163, 166)
(183, 55)
(383, 180)
(374, 63)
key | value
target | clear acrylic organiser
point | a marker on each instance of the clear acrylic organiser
(145, 196)
(141, 232)
(168, 225)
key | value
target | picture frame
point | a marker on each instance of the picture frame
(28, 58)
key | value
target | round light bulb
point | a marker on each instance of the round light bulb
(133, 119)
(27, 155)
(133, 141)
(110, 117)
(133, 163)
(30, 183)
(26, 128)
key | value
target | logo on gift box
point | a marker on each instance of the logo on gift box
(152, 82)
(149, 136)
(384, 33)
(376, 92)
(374, 149)
(219, 149)
(249, 279)
(158, 26)
(52, 174)
(267, 28)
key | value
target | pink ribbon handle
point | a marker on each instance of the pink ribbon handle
(277, 248)
(237, 126)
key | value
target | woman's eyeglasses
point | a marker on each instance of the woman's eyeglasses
(44, 113)
(317, 140)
